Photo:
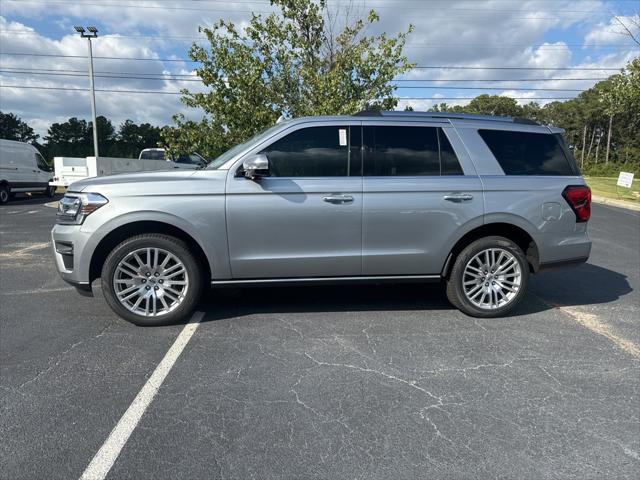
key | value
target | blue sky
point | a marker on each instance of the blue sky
(550, 38)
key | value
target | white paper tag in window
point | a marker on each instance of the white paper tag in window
(342, 137)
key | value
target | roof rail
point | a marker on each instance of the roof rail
(448, 115)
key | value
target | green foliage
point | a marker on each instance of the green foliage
(74, 138)
(288, 63)
(13, 128)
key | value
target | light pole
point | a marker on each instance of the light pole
(93, 33)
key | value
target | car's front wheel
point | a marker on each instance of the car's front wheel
(489, 277)
(152, 279)
(5, 193)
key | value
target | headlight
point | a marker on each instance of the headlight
(73, 208)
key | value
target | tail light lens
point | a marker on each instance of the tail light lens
(579, 199)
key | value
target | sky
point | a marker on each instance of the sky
(544, 48)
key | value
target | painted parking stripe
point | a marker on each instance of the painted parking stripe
(593, 323)
(108, 453)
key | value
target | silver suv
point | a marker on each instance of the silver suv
(477, 202)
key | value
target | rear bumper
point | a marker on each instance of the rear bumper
(558, 251)
(562, 263)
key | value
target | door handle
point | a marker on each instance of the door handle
(458, 197)
(338, 199)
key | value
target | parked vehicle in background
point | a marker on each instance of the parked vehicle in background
(72, 169)
(475, 201)
(184, 160)
(23, 169)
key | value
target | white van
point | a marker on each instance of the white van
(23, 169)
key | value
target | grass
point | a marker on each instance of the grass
(606, 187)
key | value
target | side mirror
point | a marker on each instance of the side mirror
(256, 166)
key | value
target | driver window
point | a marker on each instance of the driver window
(311, 152)
(42, 164)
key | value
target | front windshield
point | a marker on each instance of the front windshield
(229, 154)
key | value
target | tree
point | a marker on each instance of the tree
(289, 63)
(13, 128)
(494, 105)
(132, 138)
(74, 138)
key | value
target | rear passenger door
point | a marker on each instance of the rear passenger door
(418, 192)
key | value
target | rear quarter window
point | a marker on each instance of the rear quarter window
(527, 153)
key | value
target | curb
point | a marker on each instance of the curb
(616, 203)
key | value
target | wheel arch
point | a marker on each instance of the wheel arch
(128, 230)
(515, 233)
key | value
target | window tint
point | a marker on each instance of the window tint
(311, 152)
(190, 159)
(42, 164)
(526, 153)
(152, 155)
(408, 151)
(448, 159)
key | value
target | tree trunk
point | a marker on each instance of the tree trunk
(584, 146)
(606, 158)
(593, 136)
(597, 148)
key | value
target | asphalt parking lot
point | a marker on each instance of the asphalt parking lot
(366, 382)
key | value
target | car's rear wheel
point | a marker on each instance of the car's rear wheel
(489, 277)
(50, 191)
(152, 279)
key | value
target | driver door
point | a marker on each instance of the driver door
(305, 218)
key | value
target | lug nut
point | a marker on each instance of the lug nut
(482, 279)
(160, 281)
(144, 280)
(156, 287)
(148, 287)
(493, 283)
(157, 274)
(486, 284)
(148, 274)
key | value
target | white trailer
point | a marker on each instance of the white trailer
(71, 169)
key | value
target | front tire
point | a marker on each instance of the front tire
(5, 193)
(489, 277)
(152, 280)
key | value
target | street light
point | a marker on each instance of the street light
(93, 33)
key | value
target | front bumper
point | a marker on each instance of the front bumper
(69, 245)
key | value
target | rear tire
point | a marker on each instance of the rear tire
(489, 278)
(152, 280)
(50, 192)
(5, 193)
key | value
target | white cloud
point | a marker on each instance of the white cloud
(479, 33)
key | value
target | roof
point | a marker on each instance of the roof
(443, 115)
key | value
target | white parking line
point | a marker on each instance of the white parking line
(108, 453)
(591, 321)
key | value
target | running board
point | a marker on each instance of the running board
(326, 280)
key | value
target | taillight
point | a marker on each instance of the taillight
(579, 199)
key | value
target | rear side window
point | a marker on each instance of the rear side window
(312, 152)
(152, 155)
(526, 153)
(408, 151)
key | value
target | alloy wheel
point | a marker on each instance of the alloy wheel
(151, 282)
(492, 278)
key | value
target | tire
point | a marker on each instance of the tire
(50, 192)
(5, 193)
(137, 294)
(473, 288)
